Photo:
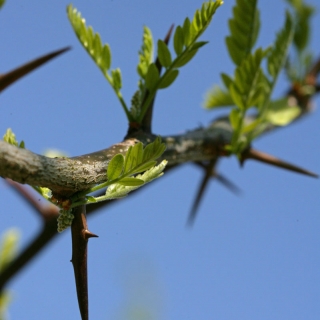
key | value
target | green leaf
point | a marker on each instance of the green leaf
(278, 54)
(153, 150)
(178, 40)
(118, 191)
(115, 167)
(164, 54)
(168, 78)
(279, 113)
(216, 97)
(302, 16)
(105, 58)
(152, 76)
(244, 29)
(91, 199)
(131, 182)
(10, 137)
(2, 3)
(186, 31)
(234, 118)
(180, 62)
(90, 40)
(246, 80)
(227, 80)
(198, 45)
(116, 79)
(133, 157)
(145, 53)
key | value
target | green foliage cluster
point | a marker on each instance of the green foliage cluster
(124, 173)
(297, 66)
(150, 79)
(252, 85)
(10, 138)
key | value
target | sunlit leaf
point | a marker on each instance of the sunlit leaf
(178, 40)
(131, 182)
(244, 29)
(168, 78)
(216, 97)
(164, 54)
(152, 76)
(115, 167)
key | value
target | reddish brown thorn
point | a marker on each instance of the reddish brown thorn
(88, 234)
(168, 36)
(204, 183)
(14, 75)
(268, 159)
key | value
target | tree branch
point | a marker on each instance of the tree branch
(65, 176)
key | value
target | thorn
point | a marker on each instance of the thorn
(88, 234)
(168, 35)
(222, 179)
(271, 160)
(228, 184)
(204, 183)
(8, 78)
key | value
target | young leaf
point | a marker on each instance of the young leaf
(115, 167)
(280, 113)
(234, 118)
(246, 81)
(178, 40)
(302, 16)
(131, 182)
(10, 137)
(186, 32)
(105, 60)
(90, 40)
(168, 79)
(152, 76)
(217, 97)
(164, 54)
(118, 191)
(244, 28)
(133, 157)
(146, 53)
(278, 53)
(184, 59)
(116, 79)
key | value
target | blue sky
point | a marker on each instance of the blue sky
(253, 256)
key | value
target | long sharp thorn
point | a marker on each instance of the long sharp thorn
(222, 179)
(228, 184)
(12, 76)
(271, 160)
(200, 193)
